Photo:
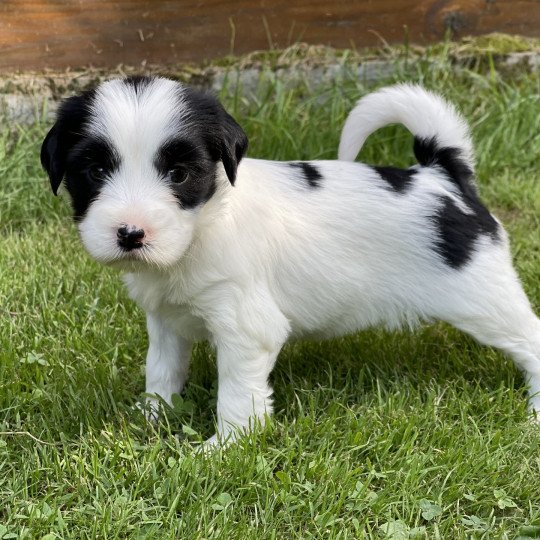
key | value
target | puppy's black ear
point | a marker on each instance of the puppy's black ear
(234, 144)
(52, 158)
(66, 132)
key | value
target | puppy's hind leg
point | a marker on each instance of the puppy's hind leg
(496, 312)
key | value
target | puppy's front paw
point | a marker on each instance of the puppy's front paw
(215, 442)
(150, 407)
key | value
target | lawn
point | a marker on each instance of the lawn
(378, 435)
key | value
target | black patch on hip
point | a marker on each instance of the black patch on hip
(458, 232)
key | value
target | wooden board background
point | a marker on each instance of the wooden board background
(38, 34)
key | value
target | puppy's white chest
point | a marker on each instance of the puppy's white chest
(183, 321)
(157, 295)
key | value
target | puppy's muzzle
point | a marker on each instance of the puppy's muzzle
(130, 237)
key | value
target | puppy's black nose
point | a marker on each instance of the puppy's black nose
(129, 237)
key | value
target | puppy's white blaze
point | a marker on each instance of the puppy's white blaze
(137, 121)
(423, 113)
(137, 198)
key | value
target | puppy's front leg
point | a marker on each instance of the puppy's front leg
(247, 349)
(167, 362)
(244, 394)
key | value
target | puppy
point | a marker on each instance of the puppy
(249, 253)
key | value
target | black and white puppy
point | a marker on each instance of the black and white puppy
(249, 253)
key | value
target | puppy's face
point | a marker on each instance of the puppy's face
(140, 157)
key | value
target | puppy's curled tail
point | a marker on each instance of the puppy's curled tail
(441, 136)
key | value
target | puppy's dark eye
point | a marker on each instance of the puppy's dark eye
(177, 175)
(96, 173)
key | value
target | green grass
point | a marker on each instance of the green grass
(378, 435)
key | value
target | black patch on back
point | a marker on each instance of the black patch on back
(457, 231)
(199, 167)
(310, 173)
(398, 179)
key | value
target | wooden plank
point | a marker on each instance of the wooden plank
(38, 34)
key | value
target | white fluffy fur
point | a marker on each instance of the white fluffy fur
(269, 259)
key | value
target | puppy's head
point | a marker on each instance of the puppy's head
(140, 157)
